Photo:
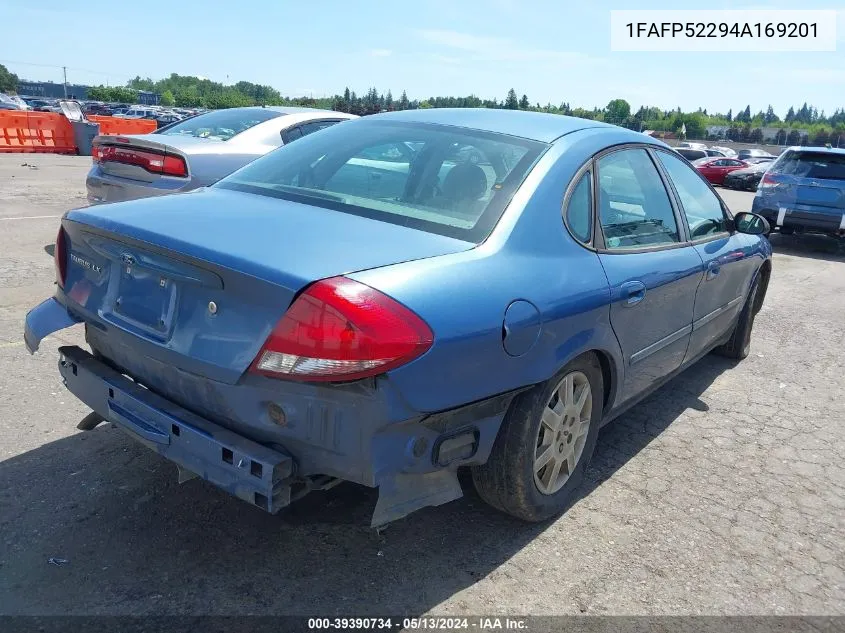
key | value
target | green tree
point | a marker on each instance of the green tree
(512, 103)
(770, 116)
(794, 137)
(617, 112)
(821, 137)
(523, 103)
(141, 84)
(756, 135)
(404, 104)
(388, 101)
(729, 116)
(780, 137)
(167, 98)
(8, 80)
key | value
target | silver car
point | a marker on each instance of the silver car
(195, 152)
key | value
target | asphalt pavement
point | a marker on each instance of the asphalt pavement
(723, 493)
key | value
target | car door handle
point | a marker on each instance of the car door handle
(633, 292)
(713, 269)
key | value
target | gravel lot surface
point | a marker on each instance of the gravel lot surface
(723, 493)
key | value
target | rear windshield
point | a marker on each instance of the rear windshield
(220, 125)
(825, 165)
(441, 179)
(691, 154)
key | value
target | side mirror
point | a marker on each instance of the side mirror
(751, 224)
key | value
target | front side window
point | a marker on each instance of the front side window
(700, 205)
(441, 179)
(221, 125)
(634, 206)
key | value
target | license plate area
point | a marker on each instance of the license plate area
(817, 195)
(146, 299)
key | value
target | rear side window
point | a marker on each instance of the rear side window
(634, 206)
(579, 210)
(700, 205)
(315, 126)
(442, 179)
(291, 134)
(822, 165)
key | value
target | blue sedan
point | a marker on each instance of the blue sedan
(399, 296)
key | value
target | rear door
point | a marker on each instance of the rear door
(728, 262)
(652, 272)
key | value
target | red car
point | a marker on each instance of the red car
(715, 169)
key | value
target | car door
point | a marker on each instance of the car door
(726, 255)
(651, 270)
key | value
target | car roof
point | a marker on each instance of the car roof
(830, 150)
(287, 109)
(538, 126)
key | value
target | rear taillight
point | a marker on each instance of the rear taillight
(339, 330)
(769, 180)
(174, 166)
(153, 162)
(60, 257)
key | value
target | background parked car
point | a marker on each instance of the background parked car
(166, 119)
(691, 154)
(754, 153)
(138, 113)
(759, 159)
(727, 151)
(8, 102)
(804, 191)
(195, 152)
(747, 178)
(715, 169)
(692, 145)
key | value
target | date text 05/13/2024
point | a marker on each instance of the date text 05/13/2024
(418, 624)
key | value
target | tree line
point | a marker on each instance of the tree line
(804, 124)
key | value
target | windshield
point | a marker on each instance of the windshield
(822, 165)
(221, 125)
(441, 179)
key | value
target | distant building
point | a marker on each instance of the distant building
(50, 90)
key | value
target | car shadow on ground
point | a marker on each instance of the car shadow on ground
(136, 542)
(809, 245)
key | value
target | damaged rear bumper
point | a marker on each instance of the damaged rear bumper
(330, 434)
(250, 471)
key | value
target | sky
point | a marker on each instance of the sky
(552, 51)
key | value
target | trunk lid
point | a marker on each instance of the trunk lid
(199, 280)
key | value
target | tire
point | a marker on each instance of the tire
(508, 481)
(787, 230)
(739, 344)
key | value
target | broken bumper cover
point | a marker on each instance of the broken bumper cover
(250, 471)
(47, 317)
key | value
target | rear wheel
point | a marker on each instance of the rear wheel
(545, 443)
(739, 345)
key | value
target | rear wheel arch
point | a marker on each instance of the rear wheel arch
(764, 274)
